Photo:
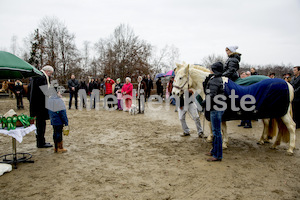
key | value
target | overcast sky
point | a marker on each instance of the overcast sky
(266, 31)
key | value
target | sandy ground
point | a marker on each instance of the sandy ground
(112, 155)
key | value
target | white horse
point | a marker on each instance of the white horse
(192, 77)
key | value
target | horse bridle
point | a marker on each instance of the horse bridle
(187, 82)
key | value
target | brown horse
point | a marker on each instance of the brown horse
(10, 86)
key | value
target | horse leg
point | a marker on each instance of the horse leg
(225, 135)
(291, 127)
(210, 136)
(279, 135)
(265, 132)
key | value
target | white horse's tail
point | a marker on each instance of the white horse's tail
(272, 129)
(283, 132)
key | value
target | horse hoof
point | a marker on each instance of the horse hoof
(289, 153)
(225, 146)
(273, 147)
(208, 141)
(260, 143)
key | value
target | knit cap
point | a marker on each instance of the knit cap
(232, 48)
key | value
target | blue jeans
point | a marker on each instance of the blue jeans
(57, 134)
(216, 120)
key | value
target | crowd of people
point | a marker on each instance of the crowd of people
(109, 88)
(124, 94)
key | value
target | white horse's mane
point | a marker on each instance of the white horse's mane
(201, 68)
(191, 66)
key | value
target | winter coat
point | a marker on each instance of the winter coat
(215, 84)
(232, 66)
(141, 88)
(127, 87)
(37, 98)
(181, 99)
(93, 85)
(18, 88)
(170, 86)
(149, 84)
(118, 87)
(108, 86)
(82, 85)
(58, 117)
(296, 85)
(159, 86)
(73, 83)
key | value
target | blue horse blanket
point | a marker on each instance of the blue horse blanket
(271, 100)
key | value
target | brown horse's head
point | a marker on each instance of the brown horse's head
(4, 86)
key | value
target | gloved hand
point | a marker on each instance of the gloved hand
(203, 103)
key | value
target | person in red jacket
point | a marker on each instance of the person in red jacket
(127, 93)
(109, 85)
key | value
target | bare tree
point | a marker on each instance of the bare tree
(14, 44)
(68, 55)
(99, 64)
(165, 59)
(37, 53)
(123, 54)
(86, 54)
(94, 68)
(158, 62)
(54, 45)
(173, 56)
(211, 59)
(49, 30)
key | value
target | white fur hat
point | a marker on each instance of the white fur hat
(232, 48)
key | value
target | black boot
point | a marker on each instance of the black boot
(242, 123)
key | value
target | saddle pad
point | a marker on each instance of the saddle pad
(251, 80)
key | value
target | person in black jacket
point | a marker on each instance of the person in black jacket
(141, 87)
(215, 87)
(296, 102)
(73, 89)
(18, 89)
(93, 86)
(232, 63)
(253, 71)
(82, 85)
(38, 109)
(149, 87)
(159, 87)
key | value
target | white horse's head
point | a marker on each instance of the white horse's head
(182, 79)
